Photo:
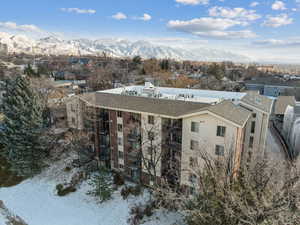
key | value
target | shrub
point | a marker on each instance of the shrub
(138, 212)
(127, 190)
(102, 186)
(63, 191)
(67, 169)
(136, 190)
(7, 177)
(118, 179)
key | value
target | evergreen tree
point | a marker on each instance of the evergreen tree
(102, 185)
(22, 127)
(29, 71)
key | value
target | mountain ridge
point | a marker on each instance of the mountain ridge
(53, 45)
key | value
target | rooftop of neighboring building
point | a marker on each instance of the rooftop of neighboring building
(192, 95)
(273, 81)
(282, 102)
(258, 101)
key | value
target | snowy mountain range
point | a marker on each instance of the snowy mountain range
(114, 47)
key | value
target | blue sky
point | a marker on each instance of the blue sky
(262, 29)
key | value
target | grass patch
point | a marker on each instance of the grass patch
(7, 177)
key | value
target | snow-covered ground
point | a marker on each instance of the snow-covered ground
(36, 203)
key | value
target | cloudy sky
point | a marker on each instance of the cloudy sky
(265, 30)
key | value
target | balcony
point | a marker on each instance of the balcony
(172, 143)
(104, 154)
(133, 153)
(134, 137)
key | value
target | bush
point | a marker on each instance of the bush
(118, 179)
(63, 191)
(127, 190)
(7, 177)
(138, 212)
(67, 169)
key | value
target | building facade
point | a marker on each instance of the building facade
(150, 133)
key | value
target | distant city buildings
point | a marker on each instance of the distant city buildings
(274, 86)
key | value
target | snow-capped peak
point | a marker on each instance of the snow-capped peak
(53, 45)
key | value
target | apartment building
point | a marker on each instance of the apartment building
(137, 125)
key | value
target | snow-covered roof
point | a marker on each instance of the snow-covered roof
(193, 95)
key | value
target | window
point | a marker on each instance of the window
(192, 191)
(73, 108)
(121, 166)
(151, 120)
(220, 150)
(119, 113)
(193, 178)
(193, 161)
(120, 141)
(254, 115)
(252, 127)
(121, 155)
(251, 141)
(195, 127)
(120, 127)
(73, 121)
(150, 136)
(194, 145)
(221, 131)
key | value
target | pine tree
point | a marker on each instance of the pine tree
(22, 127)
(101, 184)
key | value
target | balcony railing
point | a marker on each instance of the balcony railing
(134, 153)
(172, 143)
(104, 154)
(133, 137)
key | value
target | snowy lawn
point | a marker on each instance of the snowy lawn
(36, 202)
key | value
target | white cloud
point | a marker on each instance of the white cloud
(24, 27)
(211, 27)
(278, 21)
(193, 2)
(119, 16)
(254, 4)
(279, 43)
(278, 5)
(145, 17)
(78, 11)
(235, 13)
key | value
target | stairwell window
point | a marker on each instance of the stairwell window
(151, 120)
(150, 136)
(219, 150)
(195, 127)
(194, 145)
(121, 155)
(251, 141)
(252, 127)
(120, 127)
(119, 114)
(221, 131)
(120, 141)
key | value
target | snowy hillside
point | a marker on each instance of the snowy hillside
(114, 47)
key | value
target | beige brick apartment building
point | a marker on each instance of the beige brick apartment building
(129, 123)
